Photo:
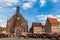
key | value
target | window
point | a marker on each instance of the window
(23, 28)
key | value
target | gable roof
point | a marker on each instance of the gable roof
(37, 25)
(52, 20)
(16, 15)
(3, 29)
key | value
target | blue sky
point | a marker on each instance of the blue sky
(31, 10)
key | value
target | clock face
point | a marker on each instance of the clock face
(18, 18)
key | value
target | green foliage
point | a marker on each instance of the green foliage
(26, 37)
(3, 36)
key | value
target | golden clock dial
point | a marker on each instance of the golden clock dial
(18, 18)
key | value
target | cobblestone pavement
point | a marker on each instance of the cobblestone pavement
(22, 39)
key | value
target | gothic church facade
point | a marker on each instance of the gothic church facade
(17, 24)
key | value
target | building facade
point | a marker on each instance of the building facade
(37, 28)
(2, 30)
(52, 25)
(17, 24)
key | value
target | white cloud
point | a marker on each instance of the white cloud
(41, 17)
(58, 17)
(43, 22)
(54, 1)
(32, 0)
(42, 2)
(3, 25)
(44, 17)
(8, 2)
(51, 16)
(28, 4)
(1, 21)
(14, 8)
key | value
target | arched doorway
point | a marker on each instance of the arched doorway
(17, 33)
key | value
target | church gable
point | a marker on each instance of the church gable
(16, 17)
(17, 21)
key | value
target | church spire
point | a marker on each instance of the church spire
(17, 9)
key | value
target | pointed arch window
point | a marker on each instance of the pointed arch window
(23, 28)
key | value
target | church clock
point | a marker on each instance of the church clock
(18, 18)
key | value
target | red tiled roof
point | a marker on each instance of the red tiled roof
(2, 29)
(37, 25)
(52, 20)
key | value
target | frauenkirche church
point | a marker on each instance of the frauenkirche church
(17, 24)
